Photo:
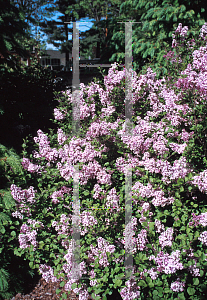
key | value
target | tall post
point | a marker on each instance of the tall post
(75, 132)
(106, 25)
(67, 52)
(128, 132)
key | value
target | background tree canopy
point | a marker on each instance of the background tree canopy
(151, 38)
(12, 26)
(159, 20)
(75, 10)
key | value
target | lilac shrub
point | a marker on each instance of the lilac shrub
(168, 189)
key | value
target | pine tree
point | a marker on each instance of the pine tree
(12, 26)
(98, 33)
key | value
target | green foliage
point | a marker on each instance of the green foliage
(4, 276)
(152, 37)
(12, 26)
(11, 171)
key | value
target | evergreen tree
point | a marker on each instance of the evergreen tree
(34, 10)
(12, 27)
(98, 34)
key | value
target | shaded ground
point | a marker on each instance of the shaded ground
(46, 291)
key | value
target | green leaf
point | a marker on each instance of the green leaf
(57, 291)
(117, 269)
(149, 282)
(2, 230)
(62, 284)
(181, 296)
(118, 282)
(74, 285)
(195, 281)
(203, 257)
(86, 193)
(44, 210)
(142, 283)
(155, 292)
(64, 296)
(31, 264)
(13, 233)
(105, 278)
(41, 244)
(97, 291)
(191, 291)
(190, 235)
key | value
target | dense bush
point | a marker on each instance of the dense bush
(168, 189)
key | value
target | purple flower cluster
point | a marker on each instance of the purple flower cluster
(60, 193)
(203, 238)
(201, 181)
(58, 114)
(112, 199)
(177, 286)
(131, 291)
(47, 273)
(64, 225)
(130, 228)
(148, 192)
(27, 236)
(199, 219)
(193, 270)
(97, 190)
(182, 31)
(23, 198)
(159, 227)
(30, 167)
(61, 136)
(44, 148)
(166, 237)
(203, 31)
(142, 240)
(100, 251)
(166, 263)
